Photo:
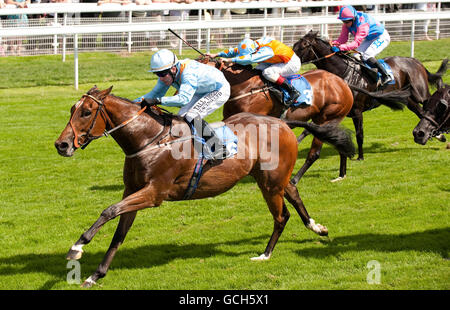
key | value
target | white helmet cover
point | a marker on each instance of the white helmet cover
(162, 60)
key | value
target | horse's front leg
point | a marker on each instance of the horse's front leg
(145, 198)
(302, 135)
(358, 123)
(415, 107)
(125, 222)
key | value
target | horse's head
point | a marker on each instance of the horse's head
(436, 116)
(311, 47)
(87, 122)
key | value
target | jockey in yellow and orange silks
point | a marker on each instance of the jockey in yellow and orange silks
(275, 59)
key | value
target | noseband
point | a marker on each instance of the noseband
(100, 110)
(438, 126)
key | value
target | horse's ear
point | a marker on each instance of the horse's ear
(313, 33)
(104, 93)
(93, 89)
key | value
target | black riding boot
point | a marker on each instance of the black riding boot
(293, 93)
(374, 63)
(213, 143)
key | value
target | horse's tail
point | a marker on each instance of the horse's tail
(396, 99)
(436, 78)
(339, 137)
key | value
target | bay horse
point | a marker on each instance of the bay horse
(332, 101)
(408, 72)
(154, 171)
(436, 116)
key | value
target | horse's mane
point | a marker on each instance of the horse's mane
(314, 35)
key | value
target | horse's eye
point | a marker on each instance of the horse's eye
(86, 113)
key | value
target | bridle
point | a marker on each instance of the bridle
(438, 126)
(311, 48)
(101, 110)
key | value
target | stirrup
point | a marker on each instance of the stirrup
(220, 154)
(292, 99)
(386, 80)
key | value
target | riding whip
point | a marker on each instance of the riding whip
(187, 43)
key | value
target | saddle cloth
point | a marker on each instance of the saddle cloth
(303, 87)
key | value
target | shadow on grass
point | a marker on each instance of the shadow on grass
(54, 264)
(435, 240)
(155, 255)
(108, 188)
(369, 148)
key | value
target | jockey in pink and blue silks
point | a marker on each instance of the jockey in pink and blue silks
(370, 38)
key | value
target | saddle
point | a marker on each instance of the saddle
(372, 73)
(300, 83)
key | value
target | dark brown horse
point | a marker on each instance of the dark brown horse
(436, 116)
(408, 72)
(332, 101)
(154, 171)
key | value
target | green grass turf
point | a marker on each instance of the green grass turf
(392, 208)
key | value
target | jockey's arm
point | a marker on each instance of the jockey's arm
(158, 91)
(188, 87)
(261, 55)
(343, 38)
(229, 53)
(361, 34)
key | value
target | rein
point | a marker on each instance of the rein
(252, 92)
(101, 111)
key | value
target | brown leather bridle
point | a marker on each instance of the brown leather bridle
(101, 110)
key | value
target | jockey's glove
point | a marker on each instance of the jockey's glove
(335, 49)
(150, 102)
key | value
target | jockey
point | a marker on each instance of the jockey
(202, 89)
(276, 60)
(370, 38)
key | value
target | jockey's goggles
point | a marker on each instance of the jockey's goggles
(162, 73)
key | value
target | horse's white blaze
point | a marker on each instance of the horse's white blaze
(260, 258)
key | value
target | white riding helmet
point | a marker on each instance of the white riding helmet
(162, 60)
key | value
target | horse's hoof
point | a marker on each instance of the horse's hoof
(441, 138)
(262, 257)
(323, 230)
(75, 253)
(88, 283)
(338, 179)
(317, 228)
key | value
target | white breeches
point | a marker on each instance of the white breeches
(372, 48)
(207, 104)
(273, 71)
